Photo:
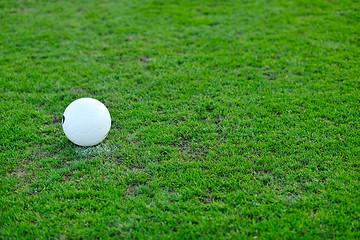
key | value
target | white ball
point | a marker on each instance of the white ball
(86, 122)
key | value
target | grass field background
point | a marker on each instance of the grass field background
(230, 119)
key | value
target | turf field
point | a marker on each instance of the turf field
(230, 119)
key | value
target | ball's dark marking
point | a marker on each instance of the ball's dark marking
(63, 119)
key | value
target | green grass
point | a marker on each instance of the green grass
(231, 119)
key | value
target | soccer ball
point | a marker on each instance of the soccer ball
(86, 122)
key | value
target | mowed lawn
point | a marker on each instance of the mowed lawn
(230, 119)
